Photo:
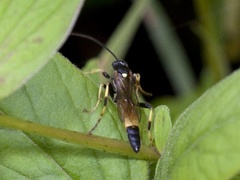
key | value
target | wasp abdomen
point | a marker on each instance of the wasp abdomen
(134, 137)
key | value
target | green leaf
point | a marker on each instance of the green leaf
(56, 97)
(204, 142)
(161, 126)
(30, 34)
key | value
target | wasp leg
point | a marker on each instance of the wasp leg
(94, 71)
(139, 87)
(99, 99)
(106, 75)
(147, 105)
(104, 106)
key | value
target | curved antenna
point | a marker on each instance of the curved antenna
(96, 41)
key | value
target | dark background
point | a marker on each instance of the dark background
(99, 19)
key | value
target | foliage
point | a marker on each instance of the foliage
(43, 126)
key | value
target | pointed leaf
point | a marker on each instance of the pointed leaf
(161, 126)
(204, 143)
(57, 96)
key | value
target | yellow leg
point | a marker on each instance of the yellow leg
(138, 86)
(94, 71)
(98, 101)
(104, 105)
(147, 105)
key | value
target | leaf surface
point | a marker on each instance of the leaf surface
(204, 142)
(57, 96)
(31, 33)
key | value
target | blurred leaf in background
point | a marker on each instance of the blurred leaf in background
(28, 39)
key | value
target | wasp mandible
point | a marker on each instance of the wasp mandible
(125, 87)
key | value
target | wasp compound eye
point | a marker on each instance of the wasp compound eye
(119, 64)
(121, 67)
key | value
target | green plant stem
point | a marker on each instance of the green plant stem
(123, 35)
(169, 49)
(210, 31)
(90, 141)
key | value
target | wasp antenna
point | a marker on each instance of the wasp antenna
(96, 41)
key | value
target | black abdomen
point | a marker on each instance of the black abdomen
(134, 137)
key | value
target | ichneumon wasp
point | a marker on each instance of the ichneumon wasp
(124, 87)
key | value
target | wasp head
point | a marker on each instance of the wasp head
(121, 67)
